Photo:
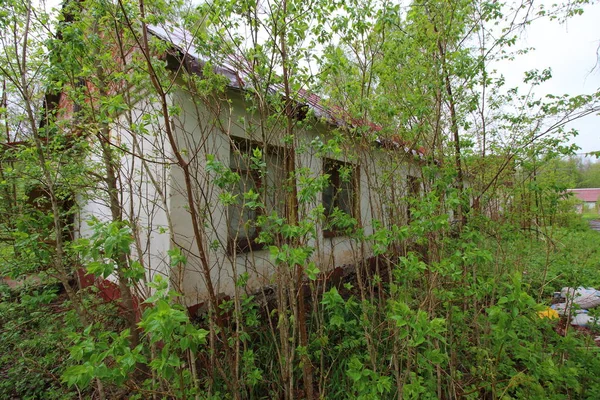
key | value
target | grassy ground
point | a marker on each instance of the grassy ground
(590, 215)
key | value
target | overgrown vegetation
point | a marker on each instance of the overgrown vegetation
(428, 173)
(490, 330)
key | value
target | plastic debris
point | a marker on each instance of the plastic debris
(575, 303)
(584, 319)
(583, 297)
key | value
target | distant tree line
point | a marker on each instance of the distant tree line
(573, 172)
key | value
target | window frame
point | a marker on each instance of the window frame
(413, 191)
(235, 244)
(272, 158)
(336, 182)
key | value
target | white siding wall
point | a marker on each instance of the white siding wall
(154, 193)
(141, 183)
(200, 134)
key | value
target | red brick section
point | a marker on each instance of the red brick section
(109, 291)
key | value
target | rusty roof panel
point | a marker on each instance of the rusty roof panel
(237, 70)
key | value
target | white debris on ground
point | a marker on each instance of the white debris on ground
(576, 303)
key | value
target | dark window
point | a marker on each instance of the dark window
(266, 182)
(413, 191)
(340, 197)
(76, 104)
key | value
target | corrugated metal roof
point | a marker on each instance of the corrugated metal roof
(237, 70)
(590, 195)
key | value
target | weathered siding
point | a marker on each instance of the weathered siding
(200, 133)
(155, 196)
(141, 184)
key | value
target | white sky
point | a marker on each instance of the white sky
(570, 51)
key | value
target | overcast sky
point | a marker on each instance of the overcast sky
(570, 50)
